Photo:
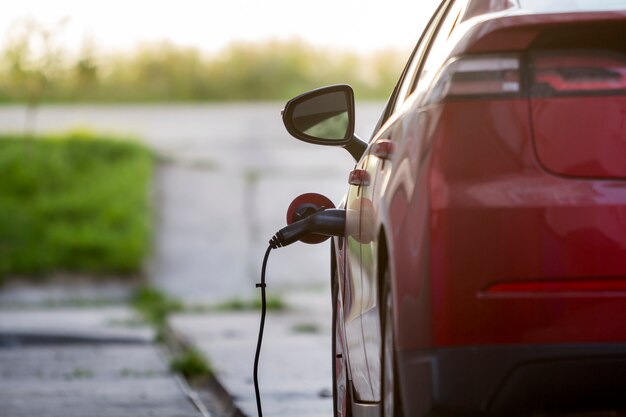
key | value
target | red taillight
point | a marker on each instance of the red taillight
(477, 77)
(578, 72)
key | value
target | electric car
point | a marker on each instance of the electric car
(483, 266)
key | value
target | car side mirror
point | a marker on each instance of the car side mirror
(324, 116)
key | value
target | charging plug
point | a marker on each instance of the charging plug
(330, 222)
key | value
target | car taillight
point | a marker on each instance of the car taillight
(578, 72)
(477, 77)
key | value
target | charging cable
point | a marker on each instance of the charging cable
(329, 222)
(261, 328)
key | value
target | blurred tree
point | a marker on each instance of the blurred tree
(85, 70)
(34, 68)
(34, 58)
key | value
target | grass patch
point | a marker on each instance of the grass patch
(155, 306)
(192, 365)
(308, 328)
(76, 202)
(79, 373)
(135, 373)
(274, 303)
(80, 303)
(127, 323)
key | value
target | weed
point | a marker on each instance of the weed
(135, 373)
(252, 176)
(305, 328)
(199, 308)
(128, 323)
(80, 303)
(273, 303)
(79, 373)
(155, 306)
(191, 364)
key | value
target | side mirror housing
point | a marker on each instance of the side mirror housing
(324, 116)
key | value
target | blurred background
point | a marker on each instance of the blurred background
(201, 86)
(144, 167)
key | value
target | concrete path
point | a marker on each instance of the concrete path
(77, 362)
(295, 363)
(95, 380)
(221, 198)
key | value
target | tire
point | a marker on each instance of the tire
(391, 401)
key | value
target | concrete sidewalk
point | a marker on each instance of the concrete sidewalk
(295, 363)
(77, 362)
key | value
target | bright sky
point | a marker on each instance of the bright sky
(361, 25)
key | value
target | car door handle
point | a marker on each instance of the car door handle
(382, 149)
(359, 177)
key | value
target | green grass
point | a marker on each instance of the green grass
(76, 203)
(305, 328)
(155, 306)
(191, 364)
(79, 373)
(273, 303)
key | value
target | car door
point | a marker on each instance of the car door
(352, 285)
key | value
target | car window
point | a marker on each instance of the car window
(408, 82)
(438, 50)
(402, 88)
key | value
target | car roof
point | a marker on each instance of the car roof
(495, 25)
(481, 7)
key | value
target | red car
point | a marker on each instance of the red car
(483, 268)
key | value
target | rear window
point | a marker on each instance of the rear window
(560, 6)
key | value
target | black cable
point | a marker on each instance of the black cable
(261, 327)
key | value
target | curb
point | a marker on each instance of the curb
(208, 387)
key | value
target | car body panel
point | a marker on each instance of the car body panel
(352, 281)
(506, 219)
(370, 314)
(581, 136)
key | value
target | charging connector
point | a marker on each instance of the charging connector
(330, 222)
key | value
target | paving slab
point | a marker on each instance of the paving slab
(295, 364)
(65, 290)
(86, 362)
(90, 380)
(115, 323)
